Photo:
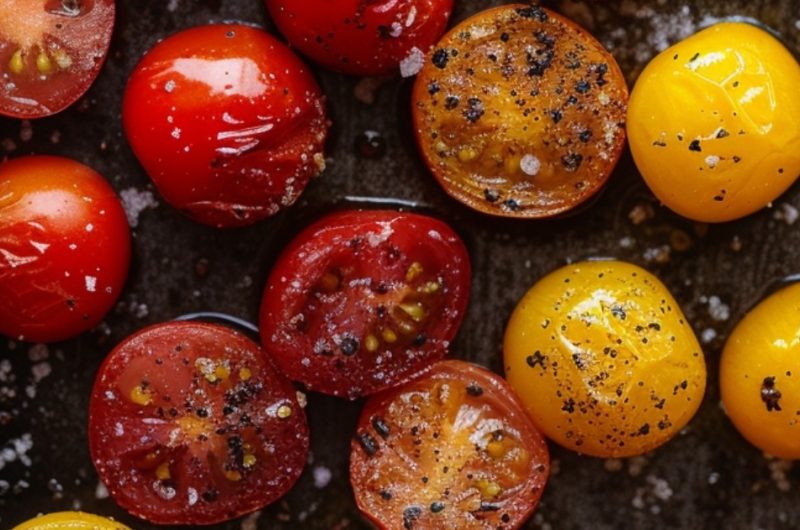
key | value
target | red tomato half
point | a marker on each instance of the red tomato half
(50, 53)
(364, 300)
(452, 449)
(227, 121)
(190, 423)
(64, 248)
(362, 37)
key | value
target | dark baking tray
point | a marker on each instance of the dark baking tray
(708, 477)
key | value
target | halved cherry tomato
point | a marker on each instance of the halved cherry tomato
(364, 300)
(520, 113)
(71, 521)
(362, 37)
(227, 121)
(452, 449)
(190, 423)
(64, 248)
(50, 53)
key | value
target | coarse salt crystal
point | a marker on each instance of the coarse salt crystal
(530, 165)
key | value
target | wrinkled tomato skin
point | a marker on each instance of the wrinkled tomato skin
(75, 47)
(177, 408)
(361, 37)
(227, 121)
(476, 403)
(64, 248)
(308, 332)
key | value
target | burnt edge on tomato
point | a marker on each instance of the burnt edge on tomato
(554, 83)
(191, 423)
(472, 471)
(364, 300)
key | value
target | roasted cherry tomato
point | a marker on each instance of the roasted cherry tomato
(227, 121)
(190, 423)
(363, 37)
(452, 449)
(71, 521)
(364, 300)
(520, 113)
(714, 123)
(50, 53)
(760, 375)
(64, 248)
(604, 360)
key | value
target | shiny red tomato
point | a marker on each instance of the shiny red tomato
(452, 449)
(50, 53)
(190, 423)
(363, 37)
(64, 248)
(364, 300)
(227, 121)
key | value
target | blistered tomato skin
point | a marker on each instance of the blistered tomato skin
(227, 121)
(520, 113)
(760, 376)
(191, 424)
(604, 360)
(451, 449)
(50, 53)
(714, 123)
(363, 37)
(71, 521)
(364, 300)
(64, 248)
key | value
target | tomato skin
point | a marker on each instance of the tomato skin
(227, 121)
(356, 36)
(321, 338)
(64, 248)
(759, 376)
(70, 521)
(604, 360)
(518, 112)
(738, 147)
(201, 400)
(74, 47)
(458, 459)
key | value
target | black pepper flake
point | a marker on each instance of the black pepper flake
(380, 427)
(410, 516)
(585, 135)
(420, 340)
(488, 507)
(770, 395)
(618, 312)
(433, 88)
(572, 161)
(368, 443)
(474, 389)
(203, 413)
(537, 359)
(582, 86)
(451, 102)
(386, 495)
(504, 37)
(491, 195)
(722, 133)
(474, 111)
(533, 11)
(694, 57)
(644, 430)
(511, 204)
(695, 146)
(601, 70)
(569, 406)
(548, 40)
(210, 495)
(556, 116)
(538, 66)
(349, 345)
(440, 58)
(437, 507)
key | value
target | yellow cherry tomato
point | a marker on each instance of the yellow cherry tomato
(604, 360)
(760, 375)
(714, 123)
(71, 521)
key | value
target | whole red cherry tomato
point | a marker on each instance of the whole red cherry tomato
(365, 300)
(50, 53)
(363, 37)
(64, 248)
(227, 121)
(452, 449)
(190, 423)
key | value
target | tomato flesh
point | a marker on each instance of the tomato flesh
(50, 53)
(227, 121)
(452, 449)
(520, 113)
(191, 424)
(363, 300)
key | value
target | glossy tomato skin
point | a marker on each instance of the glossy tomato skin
(190, 423)
(51, 53)
(479, 462)
(362, 37)
(71, 521)
(64, 248)
(714, 123)
(520, 113)
(759, 376)
(604, 360)
(364, 300)
(227, 121)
